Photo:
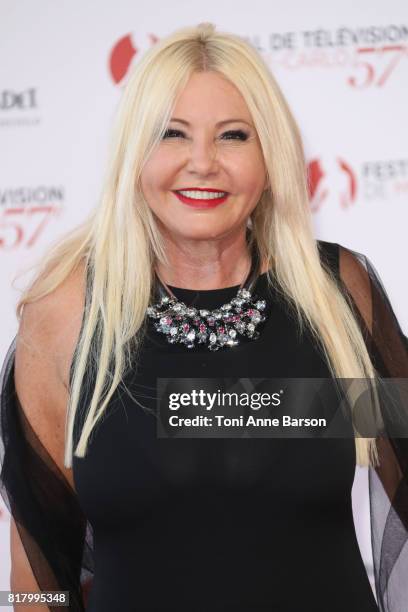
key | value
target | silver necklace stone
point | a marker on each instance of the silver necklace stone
(217, 328)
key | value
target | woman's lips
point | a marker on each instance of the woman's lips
(204, 203)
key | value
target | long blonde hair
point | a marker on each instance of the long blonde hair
(119, 241)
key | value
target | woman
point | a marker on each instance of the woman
(205, 204)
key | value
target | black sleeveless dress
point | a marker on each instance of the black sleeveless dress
(221, 524)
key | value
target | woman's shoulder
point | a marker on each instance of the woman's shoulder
(50, 325)
(352, 267)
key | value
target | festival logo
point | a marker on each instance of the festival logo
(124, 52)
(328, 176)
(335, 180)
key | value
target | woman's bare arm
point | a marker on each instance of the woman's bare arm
(46, 341)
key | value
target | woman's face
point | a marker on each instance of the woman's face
(211, 143)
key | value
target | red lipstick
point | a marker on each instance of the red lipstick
(201, 203)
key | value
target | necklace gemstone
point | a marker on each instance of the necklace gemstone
(218, 328)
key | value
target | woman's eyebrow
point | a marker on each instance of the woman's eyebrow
(217, 124)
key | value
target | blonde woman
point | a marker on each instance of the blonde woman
(204, 213)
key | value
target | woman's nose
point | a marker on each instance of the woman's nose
(202, 155)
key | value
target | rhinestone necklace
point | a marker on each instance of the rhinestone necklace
(217, 328)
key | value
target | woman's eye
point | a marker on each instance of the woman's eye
(170, 133)
(239, 133)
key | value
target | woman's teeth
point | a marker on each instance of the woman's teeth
(203, 195)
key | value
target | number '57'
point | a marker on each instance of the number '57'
(21, 227)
